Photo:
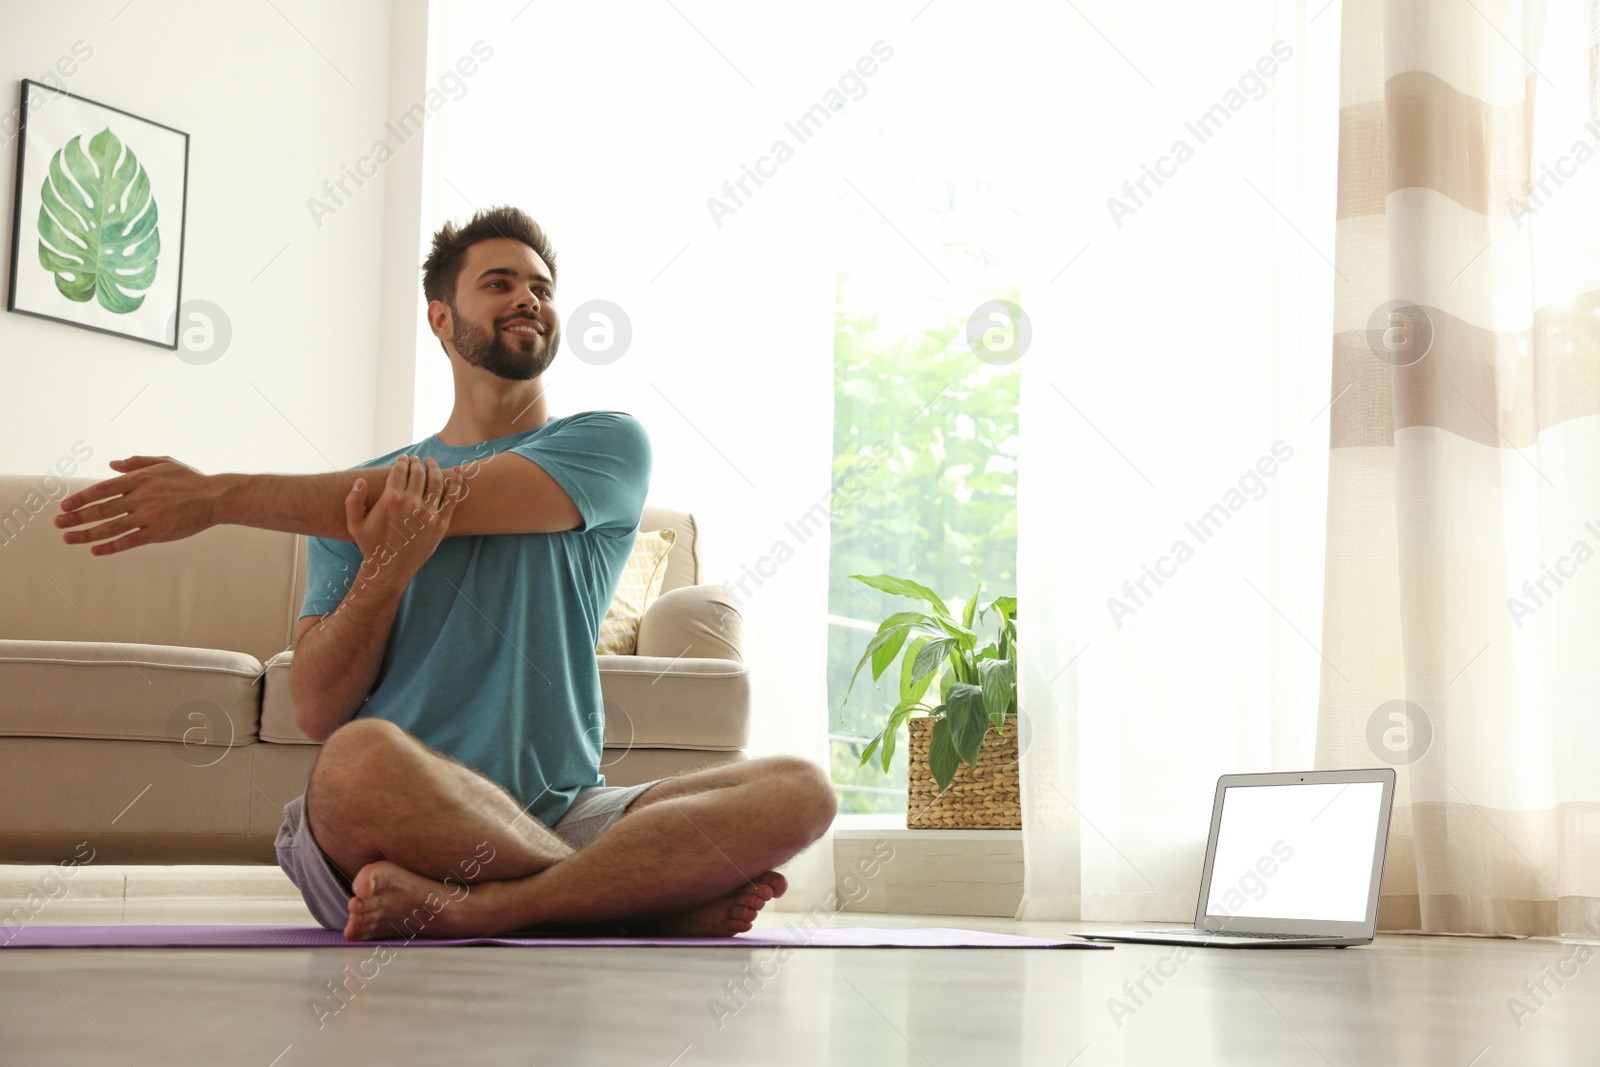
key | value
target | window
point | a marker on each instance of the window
(925, 433)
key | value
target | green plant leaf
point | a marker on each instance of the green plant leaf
(971, 608)
(890, 736)
(999, 679)
(904, 587)
(866, 753)
(883, 637)
(964, 637)
(97, 228)
(942, 758)
(968, 724)
(913, 689)
(897, 627)
(930, 655)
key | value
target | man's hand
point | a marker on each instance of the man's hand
(158, 499)
(401, 530)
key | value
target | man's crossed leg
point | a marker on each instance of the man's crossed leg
(691, 855)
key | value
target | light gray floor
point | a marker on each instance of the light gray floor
(1405, 1000)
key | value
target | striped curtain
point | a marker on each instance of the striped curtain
(1462, 613)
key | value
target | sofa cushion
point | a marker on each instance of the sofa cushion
(697, 621)
(683, 562)
(638, 587)
(650, 702)
(96, 689)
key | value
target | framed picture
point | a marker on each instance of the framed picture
(97, 238)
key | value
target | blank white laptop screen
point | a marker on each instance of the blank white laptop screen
(1296, 851)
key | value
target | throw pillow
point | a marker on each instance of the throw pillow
(640, 584)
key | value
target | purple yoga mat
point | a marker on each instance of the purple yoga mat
(317, 937)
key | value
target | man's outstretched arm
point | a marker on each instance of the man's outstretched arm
(156, 499)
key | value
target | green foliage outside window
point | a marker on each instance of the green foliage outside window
(940, 508)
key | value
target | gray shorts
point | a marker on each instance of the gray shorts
(327, 892)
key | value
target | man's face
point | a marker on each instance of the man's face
(504, 316)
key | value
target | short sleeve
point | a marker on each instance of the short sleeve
(602, 460)
(330, 569)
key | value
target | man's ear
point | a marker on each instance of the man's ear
(442, 325)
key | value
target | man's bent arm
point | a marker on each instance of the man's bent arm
(505, 493)
(336, 661)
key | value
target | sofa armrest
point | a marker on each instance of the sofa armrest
(277, 707)
(695, 621)
(681, 703)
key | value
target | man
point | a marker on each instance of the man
(445, 652)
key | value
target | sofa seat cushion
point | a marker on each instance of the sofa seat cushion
(650, 702)
(94, 689)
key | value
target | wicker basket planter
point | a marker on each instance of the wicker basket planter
(985, 797)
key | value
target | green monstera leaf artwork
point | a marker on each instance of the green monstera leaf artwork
(97, 225)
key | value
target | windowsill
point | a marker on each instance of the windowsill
(856, 827)
(928, 872)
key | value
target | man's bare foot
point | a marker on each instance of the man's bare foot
(392, 902)
(723, 917)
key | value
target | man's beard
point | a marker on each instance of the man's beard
(499, 357)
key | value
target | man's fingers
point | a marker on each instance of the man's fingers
(135, 462)
(355, 506)
(122, 544)
(104, 531)
(400, 473)
(98, 491)
(433, 484)
(94, 513)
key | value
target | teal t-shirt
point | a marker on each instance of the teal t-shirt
(491, 657)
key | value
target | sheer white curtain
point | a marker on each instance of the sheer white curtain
(613, 125)
(1175, 435)
(1461, 616)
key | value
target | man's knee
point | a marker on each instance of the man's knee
(806, 794)
(353, 759)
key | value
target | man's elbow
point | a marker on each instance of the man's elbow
(308, 716)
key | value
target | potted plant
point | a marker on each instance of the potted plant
(977, 702)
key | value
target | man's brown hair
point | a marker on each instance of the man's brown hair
(450, 244)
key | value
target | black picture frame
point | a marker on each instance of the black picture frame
(46, 214)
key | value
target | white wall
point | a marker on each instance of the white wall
(277, 99)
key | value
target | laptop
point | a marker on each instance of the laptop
(1293, 860)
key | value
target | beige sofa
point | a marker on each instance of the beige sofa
(144, 696)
